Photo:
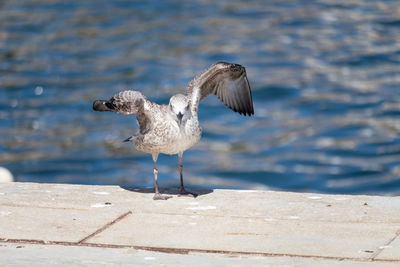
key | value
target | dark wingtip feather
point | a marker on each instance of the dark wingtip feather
(100, 105)
(110, 105)
(128, 139)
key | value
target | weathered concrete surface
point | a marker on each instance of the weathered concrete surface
(114, 225)
(44, 255)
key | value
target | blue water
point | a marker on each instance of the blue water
(325, 77)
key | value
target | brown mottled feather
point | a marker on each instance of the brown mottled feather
(126, 102)
(228, 82)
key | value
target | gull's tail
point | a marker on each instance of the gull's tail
(102, 105)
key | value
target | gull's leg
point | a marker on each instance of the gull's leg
(157, 195)
(182, 191)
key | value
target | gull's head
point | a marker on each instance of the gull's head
(179, 105)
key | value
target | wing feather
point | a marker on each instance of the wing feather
(126, 102)
(228, 82)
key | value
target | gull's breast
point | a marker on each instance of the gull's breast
(188, 136)
(169, 138)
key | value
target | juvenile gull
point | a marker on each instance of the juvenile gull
(174, 128)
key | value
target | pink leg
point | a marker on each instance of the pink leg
(182, 191)
(157, 195)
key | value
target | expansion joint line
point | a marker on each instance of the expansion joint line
(104, 227)
(381, 248)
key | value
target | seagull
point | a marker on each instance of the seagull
(174, 128)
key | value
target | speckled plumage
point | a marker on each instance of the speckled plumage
(163, 133)
(174, 128)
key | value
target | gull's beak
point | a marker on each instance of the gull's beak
(180, 116)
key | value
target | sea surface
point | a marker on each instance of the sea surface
(324, 74)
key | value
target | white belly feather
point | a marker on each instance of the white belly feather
(168, 138)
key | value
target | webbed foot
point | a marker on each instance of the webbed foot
(184, 193)
(158, 196)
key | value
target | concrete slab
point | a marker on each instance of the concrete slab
(390, 250)
(262, 227)
(37, 255)
(51, 213)
(49, 224)
(255, 235)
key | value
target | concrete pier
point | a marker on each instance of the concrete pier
(90, 225)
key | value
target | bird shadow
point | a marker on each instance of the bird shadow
(169, 191)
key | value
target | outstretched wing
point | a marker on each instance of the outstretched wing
(126, 102)
(228, 82)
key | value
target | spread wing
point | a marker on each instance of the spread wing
(126, 102)
(228, 82)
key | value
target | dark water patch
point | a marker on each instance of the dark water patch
(301, 22)
(274, 93)
(227, 57)
(390, 23)
(368, 59)
(361, 181)
(343, 131)
(268, 178)
(388, 114)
